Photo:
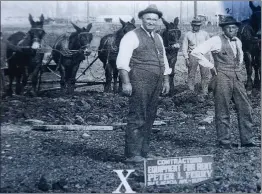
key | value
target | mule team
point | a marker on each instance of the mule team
(146, 62)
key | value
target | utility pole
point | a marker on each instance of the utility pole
(195, 8)
(134, 4)
(87, 11)
(57, 15)
(181, 11)
(187, 11)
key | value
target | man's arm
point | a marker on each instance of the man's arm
(185, 46)
(207, 36)
(168, 70)
(127, 45)
(212, 44)
(240, 51)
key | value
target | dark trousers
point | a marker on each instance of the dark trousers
(192, 70)
(226, 87)
(146, 88)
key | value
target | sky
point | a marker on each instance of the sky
(171, 9)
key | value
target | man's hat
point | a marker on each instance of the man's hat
(150, 9)
(228, 20)
(196, 22)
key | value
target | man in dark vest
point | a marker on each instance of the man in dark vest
(227, 83)
(144, 71)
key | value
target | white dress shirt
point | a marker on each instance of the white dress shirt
(214, 44)
(128, 44)
(192, 40)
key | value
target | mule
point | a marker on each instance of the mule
(29, 61)
(171, 36)
(250, 34)
(107, 53)
(68, 52)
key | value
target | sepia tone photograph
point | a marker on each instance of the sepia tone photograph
(130, 97)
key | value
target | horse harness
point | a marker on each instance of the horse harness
(21, 41)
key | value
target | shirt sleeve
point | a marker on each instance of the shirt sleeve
(210, 45)
(240, 51)
(127, 45)
(207, 36)
(168, 70)
(185, 46)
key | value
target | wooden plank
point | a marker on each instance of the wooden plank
(156, 123)
(71, 128)
(76, 86)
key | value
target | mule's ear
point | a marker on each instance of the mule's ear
(89, 26)
(252, 6)
(42, 19)
(76, 27)
(122, 22)
(133, 21)
(31, 20)
(176, 21)
(165, 22)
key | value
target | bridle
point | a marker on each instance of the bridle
(35, 39)
(168, 41)
(85, 46)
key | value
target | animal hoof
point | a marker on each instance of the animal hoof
(18, 92)
(257, 85)
(32, 94)
(8, 93)
(107, 90)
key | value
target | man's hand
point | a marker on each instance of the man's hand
(126, 85)
(166, 85)
(213, 71)
(187, 62)
(176, 45)
(127, 89)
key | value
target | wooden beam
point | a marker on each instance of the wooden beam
(71, 128)
(195, 8)
(76, 86)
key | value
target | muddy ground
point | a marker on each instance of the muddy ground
(83, 161)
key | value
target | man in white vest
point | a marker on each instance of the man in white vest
(227, 83)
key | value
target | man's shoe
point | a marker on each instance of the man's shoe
(151, 156)
(135, 159)
(252, 143)
(227, 145)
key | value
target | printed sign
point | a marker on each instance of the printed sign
(179, 170)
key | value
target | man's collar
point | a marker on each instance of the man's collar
(148, 33)
(230, 39)
(195, 31)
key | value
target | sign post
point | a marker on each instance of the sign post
(179, 170)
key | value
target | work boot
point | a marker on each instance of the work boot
(226, 144)
(252, 143)
(135, 159)
(201, 98)
(151, 156)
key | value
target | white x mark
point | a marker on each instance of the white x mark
(124, 181)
